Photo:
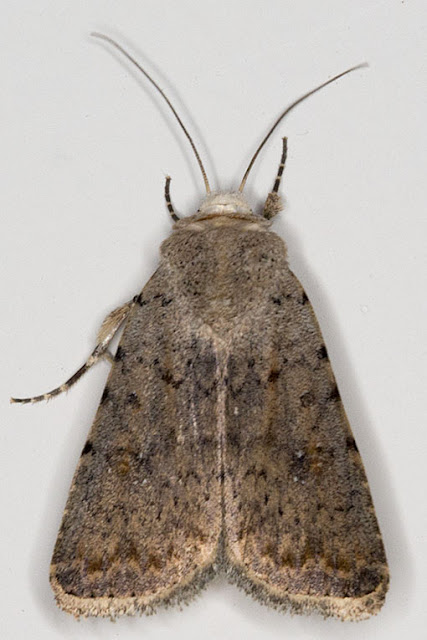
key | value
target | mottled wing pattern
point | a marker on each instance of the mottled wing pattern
(301, 531)
(143, 517)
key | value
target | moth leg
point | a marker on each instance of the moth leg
(169, 204)
(106, 333)
(273, 204)
(109, 356)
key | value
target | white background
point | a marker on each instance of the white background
(86, 144)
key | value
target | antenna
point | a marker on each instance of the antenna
(286, 111)
(101, 36)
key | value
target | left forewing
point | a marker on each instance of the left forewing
(301, 531)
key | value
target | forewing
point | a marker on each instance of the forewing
(301, 531)
(142, 521)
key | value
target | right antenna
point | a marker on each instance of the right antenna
(101, 36)
(286, 111)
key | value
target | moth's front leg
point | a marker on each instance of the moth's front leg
(106, 333)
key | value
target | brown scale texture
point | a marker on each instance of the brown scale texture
(221, 444)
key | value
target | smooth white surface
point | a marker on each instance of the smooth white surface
(85, 148)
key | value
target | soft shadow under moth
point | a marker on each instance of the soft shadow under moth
(220, 443)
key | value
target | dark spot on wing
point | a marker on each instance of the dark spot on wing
(88, 448)
(169, 379)
(273, 375)
(120, 354)
(322, 353)
(132, 398)
(233, 438)
(334, 396)
(139, 300)
(351, 444)
(307, 399)
(105, 394)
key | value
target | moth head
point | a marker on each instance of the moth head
(226, 208)
(224, 204)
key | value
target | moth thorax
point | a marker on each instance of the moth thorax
(223, 203)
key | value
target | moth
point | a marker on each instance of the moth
(220, 443)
